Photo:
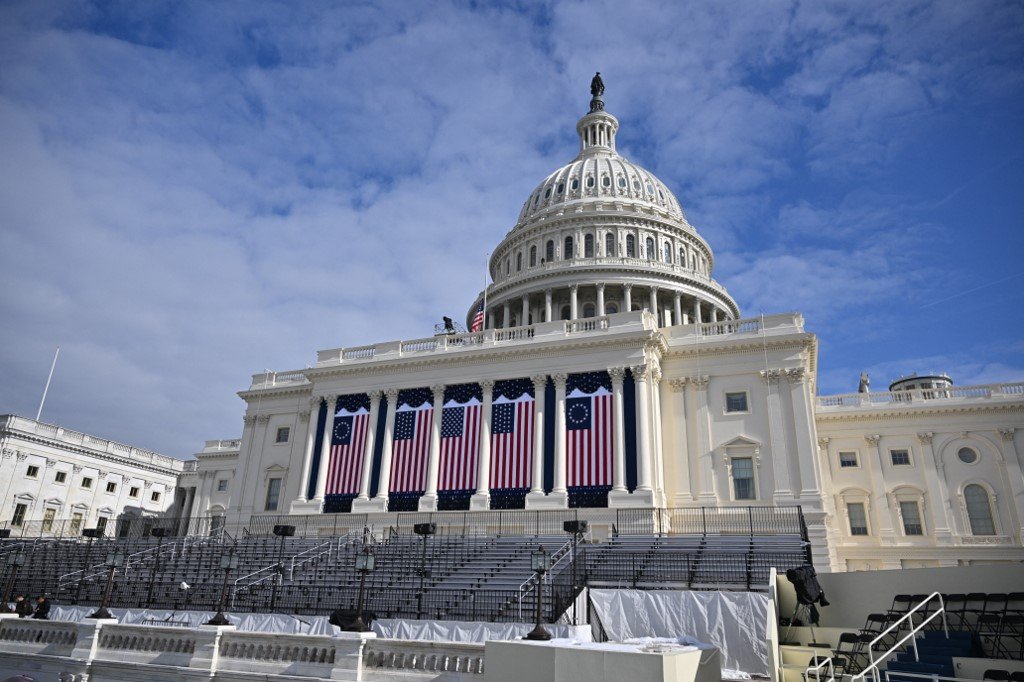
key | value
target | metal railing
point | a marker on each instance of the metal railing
(911, 636)
(825, 664)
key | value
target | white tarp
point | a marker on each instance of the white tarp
(470, 631)
(735, 622)
(251, 622)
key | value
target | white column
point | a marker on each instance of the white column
(678, 309)
(879, 497)
(429, 499)
(714, 314)
(783, 479)
(481, 500)
(938, 493)
(525, 319)
(490, 319)
(658, 390)
(803, 422)
(1011, 460)
(627, 295)
(600, 299)
(643, 429)
(506, 316)
(702, 437)
(696, 311)
(540, 384)
(547, 305)
(371, 436)
(311, 418)
(619, 453)
(573, 302)
(654, 306)
(559, 486)
(325, 449)
(384, 480)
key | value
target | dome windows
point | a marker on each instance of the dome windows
(649, 244)
(609, 244)
(610, 308)
(547, 193)
(574, 184)
(650, 189)
(590, 181)
(967, 455)
(533, 255)
(636, 185)
(519, 261)
(589, 310)
(567, 250)
(622, 181)
(630, 246)
(560, 188)
(668, 252)
(549, 250)
(588, 246)
(606, 181)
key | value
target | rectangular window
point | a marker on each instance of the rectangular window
(32, 471)
(222, 485)
(101, 524)
(133, 491)
(736, 402)
(900, 458)
(76, 523)
(155, 497)
(858, 519)
(48, 517)
(743, 478)
(61, 476)
(847, 459)
(282, 434)
(111, 487)
(86, 482)
(273, 494)
(19, 514)
(911, 514)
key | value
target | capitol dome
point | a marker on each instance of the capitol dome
(598, 236)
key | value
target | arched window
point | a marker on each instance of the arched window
(565, 312)
(630, 246)
(561, 187)
(650, 248)
(575, 183)
(609, 244)
(682, 257)
(567, 249)
(519, 261)
(588, 246)
(589, 310)
(533, 255)
(979, 510)
(590, 181)
(622, 181)
(668, 252)
(611, 308)
(507, 267)
(606, 181)
(549, 251)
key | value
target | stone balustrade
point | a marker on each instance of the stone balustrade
(423, 656)
(918, 396)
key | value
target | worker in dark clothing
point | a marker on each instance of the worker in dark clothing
(22, 606)
(42, 611)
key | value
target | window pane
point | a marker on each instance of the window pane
(911, 518)
(900, 457)
(743, 478)
(847, 459)
(735, 402)
(273, 494)
(858, 519)
(979, 511)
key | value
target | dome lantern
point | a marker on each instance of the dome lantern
(597, 129)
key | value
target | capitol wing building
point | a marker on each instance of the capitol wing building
(607, 370)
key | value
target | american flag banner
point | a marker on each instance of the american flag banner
(512, 435)
(588, 430)
(411, 440)
(348, 438)
(478, 319)
(460, 437)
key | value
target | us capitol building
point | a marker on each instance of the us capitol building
(605, 368)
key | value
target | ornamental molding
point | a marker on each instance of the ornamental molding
(796, 375)
(392, 395)
(767, 375)
(314, 402)
(902, 412)
(8, 453)
(146, 485)
(50, 462)
(640, 372)
(873, 439)
(559, 380)
(77, 469)
(249, 419)
(701, 382)
(438, 391)
(540, 382)
(263, 418)
(925, 437)
(22, 456)
(486, 384)
(375, 396)
(824, 441)
(678, 384)
(304, 416)
(617, 374)
(1007, 433)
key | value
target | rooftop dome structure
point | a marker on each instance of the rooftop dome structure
(598, 236)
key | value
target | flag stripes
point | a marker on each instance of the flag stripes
(348, 438)
(460, 440)
(512, 443)
(410, 448)
(589, 439)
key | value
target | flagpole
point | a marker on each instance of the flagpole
(483, 325)
(47, 388)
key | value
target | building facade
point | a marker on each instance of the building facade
(58, 481)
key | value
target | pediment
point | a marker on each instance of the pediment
(741, 442)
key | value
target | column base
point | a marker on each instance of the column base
(428, 503)
(375, 504)
(552, 500)
(623, 499)
(306, 507)
(480, 502)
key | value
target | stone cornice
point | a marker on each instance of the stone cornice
(95, 454)
(905, 411)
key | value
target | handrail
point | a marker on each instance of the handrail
(911, 636)
(527, 585)
(314, 554)
(816, 669)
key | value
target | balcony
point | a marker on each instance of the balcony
(918, 397)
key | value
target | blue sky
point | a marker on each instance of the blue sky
(193, 192)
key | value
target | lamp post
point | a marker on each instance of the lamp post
(228, 563)
(114, 560)
(14, 562)
(92, 534)
(539, 564)
(366, 561)
(282, 532)
(159, 534)
(423, 530)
